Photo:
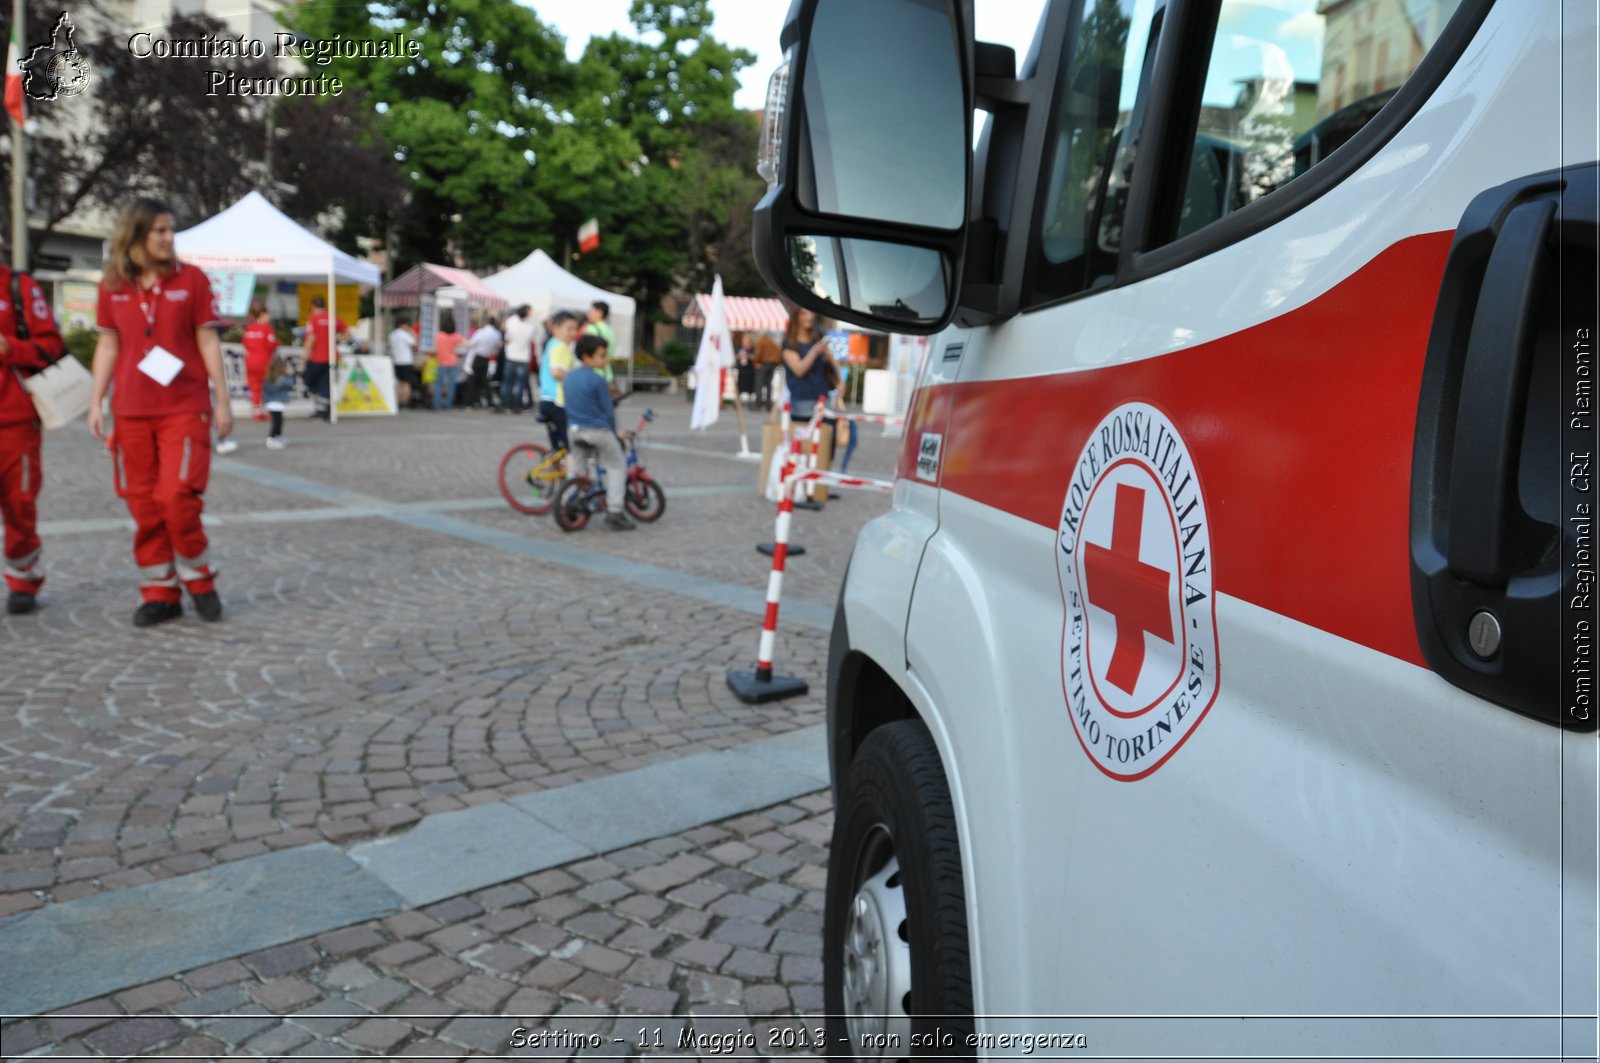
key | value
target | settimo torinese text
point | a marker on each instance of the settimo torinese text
(146, 45)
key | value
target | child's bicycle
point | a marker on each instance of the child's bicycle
(530, 476)
(580, 497)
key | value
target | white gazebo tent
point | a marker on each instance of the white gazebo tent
(538, 281)
(253, 236)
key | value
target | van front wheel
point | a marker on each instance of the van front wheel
(897, 982)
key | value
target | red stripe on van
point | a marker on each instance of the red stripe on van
(1301, 429)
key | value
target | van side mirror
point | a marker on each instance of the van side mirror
(866, 148)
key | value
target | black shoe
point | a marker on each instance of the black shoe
(20, 602)
(620, 522)
(208, 605)
(151, 613)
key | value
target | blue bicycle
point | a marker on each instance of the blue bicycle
(580, 497)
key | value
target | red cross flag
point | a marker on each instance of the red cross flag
(716, 354)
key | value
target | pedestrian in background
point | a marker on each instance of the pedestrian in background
(768, 356)
(403, 352)
(599, 324)
(260, 341)
(518, 355)
(29, 341)
(482, 349)
(318, 349)
(278, 386)
(807, 363)
(745, 375)
(447, 349)
(160, 357)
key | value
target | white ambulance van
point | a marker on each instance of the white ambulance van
(1221, 682)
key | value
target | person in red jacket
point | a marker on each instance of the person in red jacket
(260, 340)
(21, 473)
(160, 355)
(318, 346)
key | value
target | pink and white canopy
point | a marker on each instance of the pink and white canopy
(745, 314)
(409, 288)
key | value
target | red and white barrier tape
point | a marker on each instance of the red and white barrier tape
(835, 479)
(865, 418)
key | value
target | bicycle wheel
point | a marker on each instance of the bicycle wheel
(644, 500)
(528, 480)
(572, 504)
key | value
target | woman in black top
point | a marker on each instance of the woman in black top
(808, 363)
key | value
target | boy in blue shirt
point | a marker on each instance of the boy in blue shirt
(592, 421)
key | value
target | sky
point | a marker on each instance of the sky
(754, 25)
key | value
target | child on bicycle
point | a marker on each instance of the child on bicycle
(592, 425)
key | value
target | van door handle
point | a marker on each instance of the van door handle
(1484, 515)
(1489, 490)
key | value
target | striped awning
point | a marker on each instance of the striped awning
(408, 288)
(745, 314)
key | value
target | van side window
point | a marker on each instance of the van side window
(1289, 82)
(1081, 222)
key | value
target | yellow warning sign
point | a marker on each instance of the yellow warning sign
(360, 395)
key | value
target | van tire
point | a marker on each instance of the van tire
(896, 806)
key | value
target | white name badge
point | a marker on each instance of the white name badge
(161, 365)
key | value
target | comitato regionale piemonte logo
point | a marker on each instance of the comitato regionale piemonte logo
(56, 68)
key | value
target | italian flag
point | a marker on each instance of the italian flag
(588, 232)
(14, 79)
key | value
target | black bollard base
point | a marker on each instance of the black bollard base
(752, 691)
(770, 548)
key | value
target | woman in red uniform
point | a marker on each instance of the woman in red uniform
(260, 340)
(160, 356)
(20, 470)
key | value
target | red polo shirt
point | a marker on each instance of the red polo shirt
(260, 340)
(166, 315)
(317, 330)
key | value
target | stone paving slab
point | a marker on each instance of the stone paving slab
(676, 948)
(620, 810)
(103, 943)
(456, 852)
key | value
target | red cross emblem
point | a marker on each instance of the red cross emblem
(1133, 592)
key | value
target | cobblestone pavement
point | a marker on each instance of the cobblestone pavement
(372, 673)
(686, 946)
(369, 673)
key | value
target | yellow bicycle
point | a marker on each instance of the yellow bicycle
(530, 476)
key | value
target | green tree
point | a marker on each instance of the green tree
(671, 88)
(465, 117)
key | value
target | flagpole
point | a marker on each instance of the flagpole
(333, 349)
(19, 153)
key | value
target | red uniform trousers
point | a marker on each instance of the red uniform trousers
(21, 474)
(161, 467)
(255, 372)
